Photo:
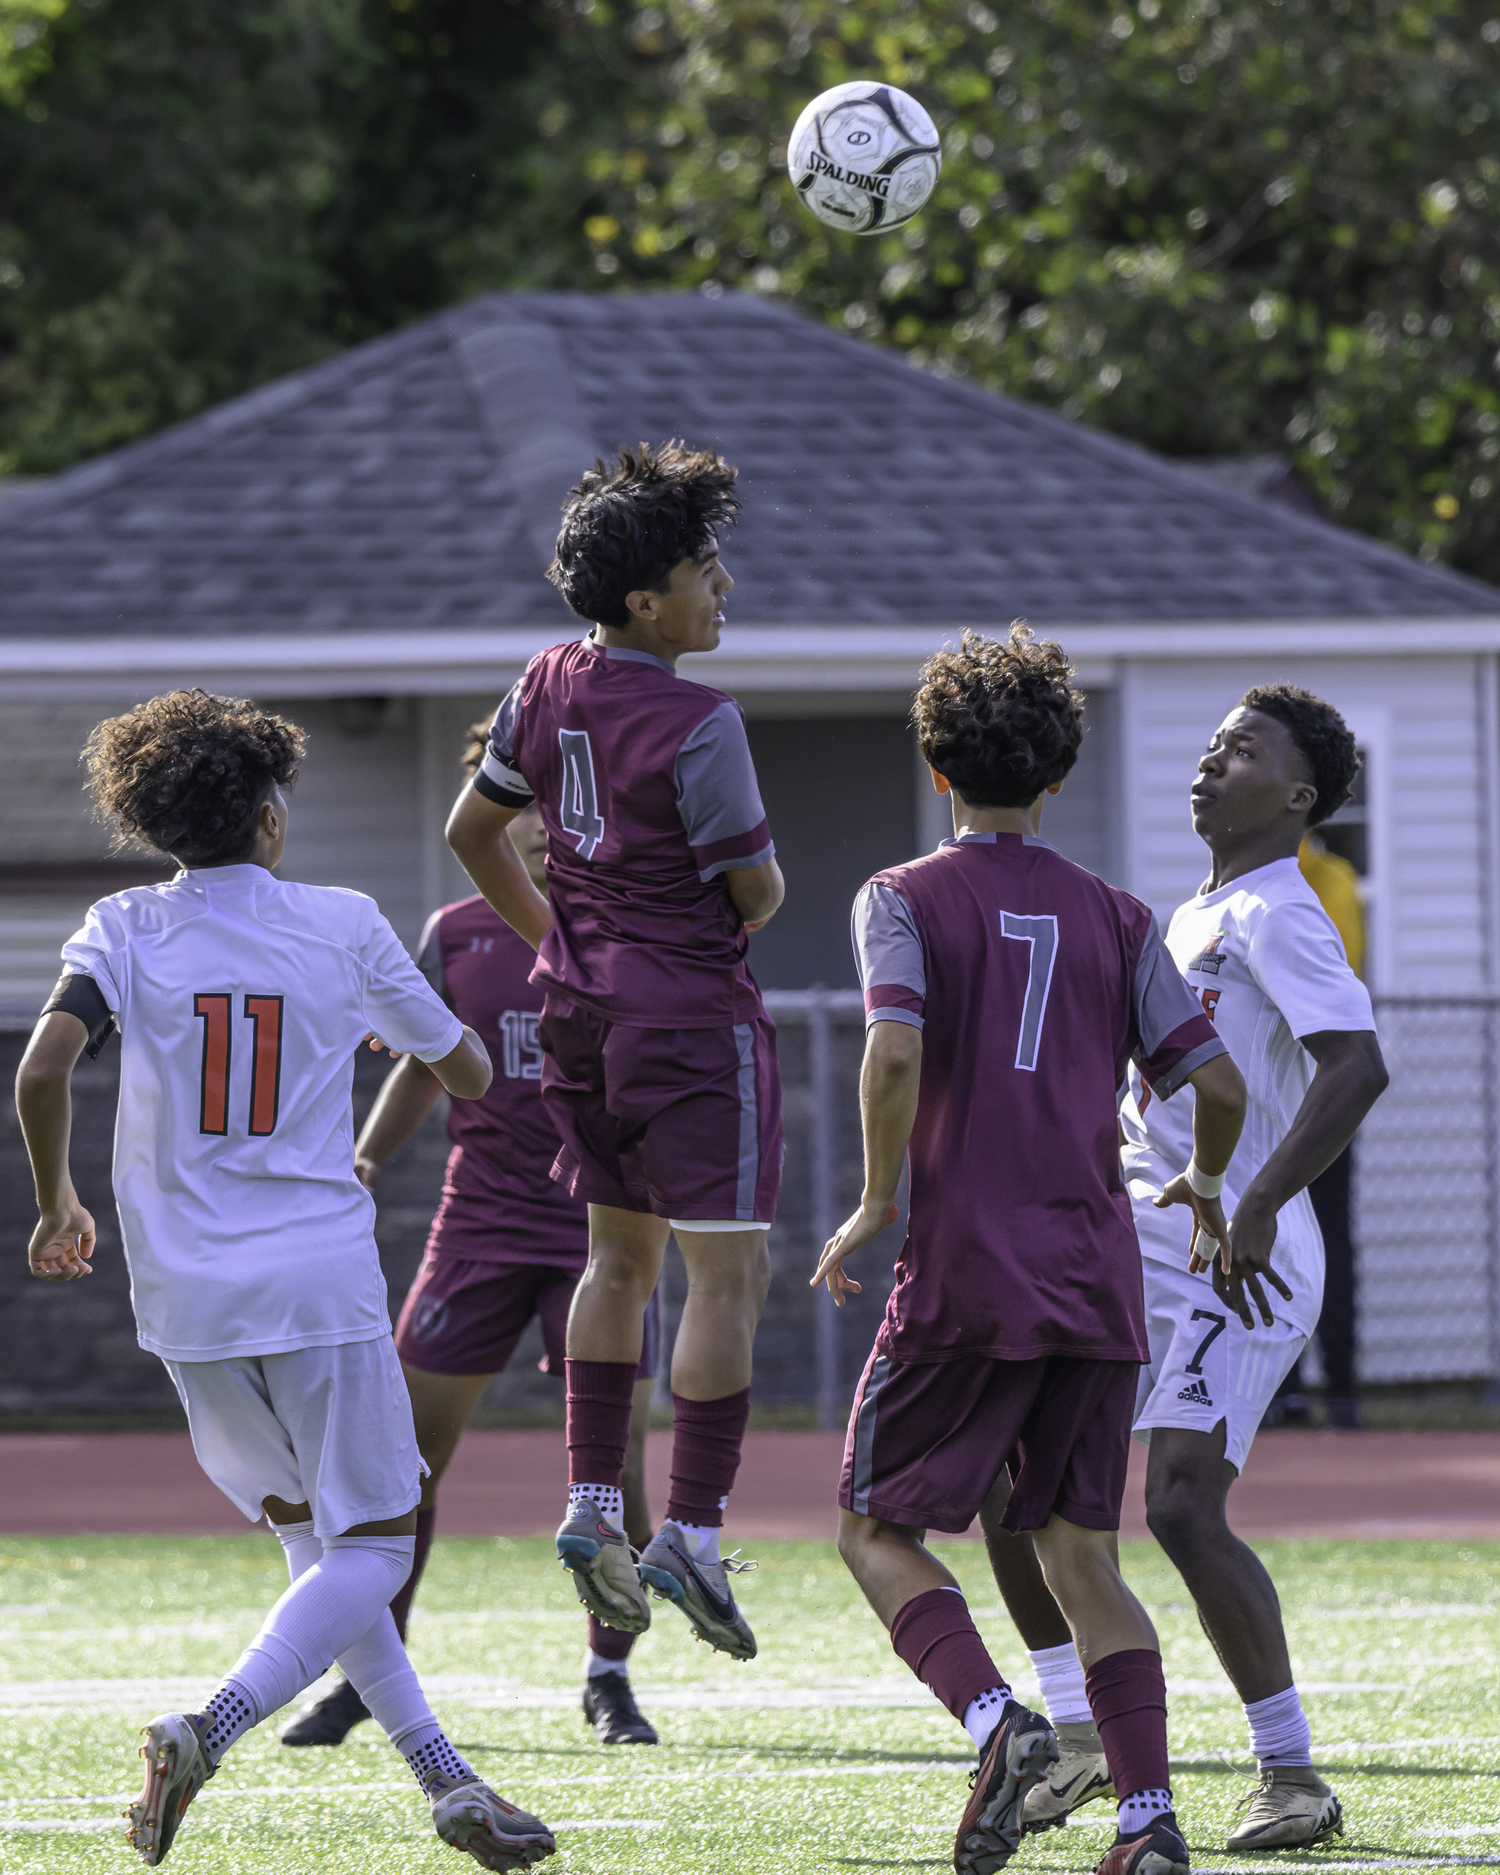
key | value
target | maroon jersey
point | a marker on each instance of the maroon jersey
(649, 796)
(1034, 984)
(500, 1204)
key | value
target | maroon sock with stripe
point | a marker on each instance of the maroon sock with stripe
(1127, 1695)
(401, 1600)
(600, 1394)
(935, 1635)
(706, 1440)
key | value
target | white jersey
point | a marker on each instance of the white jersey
(1268, 965)
(241, 1003)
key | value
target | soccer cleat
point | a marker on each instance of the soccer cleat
(1018, 1755)
(329, 1720)
(700, 1590)
(1159, 1850)
(473, 1820)
(603, 1566)
(1080, 1774)
(176, 1770)
(609, 1706)
(1290, 1808)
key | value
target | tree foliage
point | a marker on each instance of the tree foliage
(1220, 227)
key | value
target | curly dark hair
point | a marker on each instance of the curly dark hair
(478, 741)
(187, 774)
(630, 521)
(999, 718)
(1322, 736)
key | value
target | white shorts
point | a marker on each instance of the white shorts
(330, 1427)
(1206, 1365)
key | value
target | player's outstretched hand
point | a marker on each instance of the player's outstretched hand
(856, 1230)
(62, 1244)
(1210, 1232)
(1252, 1238)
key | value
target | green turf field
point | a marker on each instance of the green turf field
(823, 1755)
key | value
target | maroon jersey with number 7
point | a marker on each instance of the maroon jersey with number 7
(1035, 984)
(649, 796)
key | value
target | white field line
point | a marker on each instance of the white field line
(1425, 1611)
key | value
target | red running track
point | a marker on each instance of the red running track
(1420, 1485)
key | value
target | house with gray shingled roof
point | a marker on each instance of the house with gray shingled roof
(362, 544)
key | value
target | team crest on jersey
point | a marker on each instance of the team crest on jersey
(1210, 957)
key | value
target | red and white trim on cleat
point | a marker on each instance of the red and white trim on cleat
(474, 1820)
(176, 1770)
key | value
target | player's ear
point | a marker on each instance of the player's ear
(641, 604)
(1053, 787)
(1303, 798)
(940, 782)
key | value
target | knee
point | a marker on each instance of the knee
(626, 1272)
(1176, 1513)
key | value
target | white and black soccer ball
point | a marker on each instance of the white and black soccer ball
(864, 157)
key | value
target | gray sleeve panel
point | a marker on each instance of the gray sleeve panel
(499, 765)
(430, 958)
(717, 793)
(1167, 1085)
(887, 944)
(1163, 1000)
(909, 1016)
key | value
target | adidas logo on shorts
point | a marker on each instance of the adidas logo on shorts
(1197, 1393)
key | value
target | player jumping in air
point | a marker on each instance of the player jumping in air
(659, 1061)
(1006, 992)
(1269, 968)
(507, 1244)
(241, 1002)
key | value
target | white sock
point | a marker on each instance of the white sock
(983, 1714)
(704, 1538)
(1279, 1732)
(1141, 1811)
(302, 1548)
(608, 1497)
(434, 1763)
(1061, 1674)
(325, 1611)
(595, 1666)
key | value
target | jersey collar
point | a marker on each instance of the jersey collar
(629, 657)
(1247, 881)
(991, 839)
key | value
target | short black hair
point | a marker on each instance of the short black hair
(1000, 719)
(1320, 733)
(188, 773)
(630, 521)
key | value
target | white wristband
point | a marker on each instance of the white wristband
(1205, 1184)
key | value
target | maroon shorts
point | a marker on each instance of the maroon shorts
(927, 1440)
(685, 1123)
(465, 1317)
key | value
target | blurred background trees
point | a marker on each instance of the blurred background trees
(1219, 227)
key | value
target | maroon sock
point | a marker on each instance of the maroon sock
(935, 1635)
(401, 1600)
(706, 1441)
(1128, 1698)
(609, 1643)
(599, 1400)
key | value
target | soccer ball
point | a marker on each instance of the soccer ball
(864, 157)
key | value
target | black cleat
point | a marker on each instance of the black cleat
(329, 1720)
(1158, 1850)
(609, 1706)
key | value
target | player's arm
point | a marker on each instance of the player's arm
(407, 1095)
(757, 892)
(63, 1240)
(1219, 1102)
(888, 1085)
(477, 832)
(1351, 1077)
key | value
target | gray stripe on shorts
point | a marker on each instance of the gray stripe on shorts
(749, 1168)
(864, 1437)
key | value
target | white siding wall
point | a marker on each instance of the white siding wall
(1425, 1239)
